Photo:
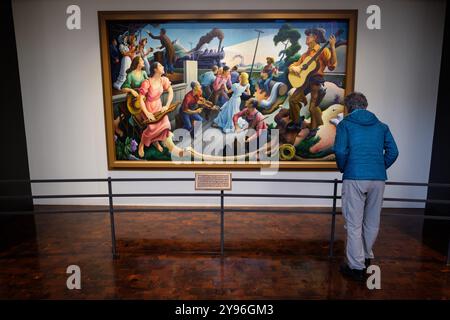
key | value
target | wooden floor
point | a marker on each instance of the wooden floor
(175, 256)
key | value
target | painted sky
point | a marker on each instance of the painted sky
(236, 32)
(240, 37)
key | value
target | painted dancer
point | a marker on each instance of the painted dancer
(152, 89)
(224, 119)
(253, 118)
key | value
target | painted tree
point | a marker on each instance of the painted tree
(287, 34)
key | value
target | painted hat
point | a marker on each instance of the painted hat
(133, 104)
(318, 32)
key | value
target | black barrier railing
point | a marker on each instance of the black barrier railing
(222, 195)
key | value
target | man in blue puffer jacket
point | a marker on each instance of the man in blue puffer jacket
(364, 149)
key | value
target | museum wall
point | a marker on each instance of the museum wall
(397, 68)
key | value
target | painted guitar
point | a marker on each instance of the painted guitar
(308, 66)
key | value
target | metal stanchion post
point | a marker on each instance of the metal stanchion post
(333, 218)
(448, 253)
(111, 218)
(222, 227)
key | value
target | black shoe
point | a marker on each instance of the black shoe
(354, 274)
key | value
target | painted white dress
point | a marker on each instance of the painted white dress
(225, 117)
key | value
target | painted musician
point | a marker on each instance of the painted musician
(127, 49)
(151, 89)
(314, 85)
(135, 76)
(190, 110)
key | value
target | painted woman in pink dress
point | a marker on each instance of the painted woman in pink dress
(152, 89)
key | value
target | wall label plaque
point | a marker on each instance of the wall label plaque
(213, 181)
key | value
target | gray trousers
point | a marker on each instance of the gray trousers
(361, 206)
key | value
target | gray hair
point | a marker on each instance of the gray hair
(354, 101)
(194, 84)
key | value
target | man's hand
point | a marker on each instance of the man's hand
(295, 69)
(134, 93)
(332, 41)
(199, 110)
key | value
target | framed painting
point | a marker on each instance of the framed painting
(225, 90)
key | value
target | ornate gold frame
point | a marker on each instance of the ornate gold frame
(104, 16)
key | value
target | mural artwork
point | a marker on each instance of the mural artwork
(233, 76)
